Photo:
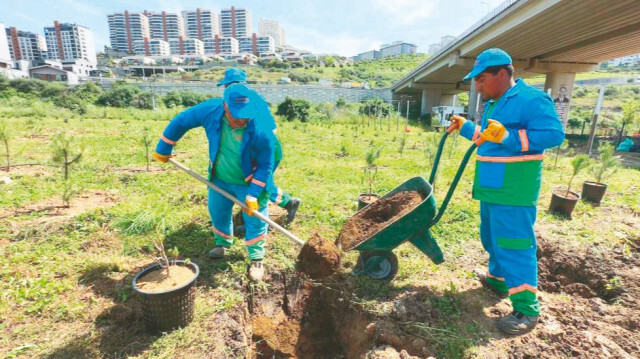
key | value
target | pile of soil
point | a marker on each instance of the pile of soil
(158, 281)
(587, 272)
(377, 216)
(319, 257)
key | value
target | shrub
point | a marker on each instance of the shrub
(294, 109)
(376, 107)
(172, 99)
(70, 101)
(124, 95)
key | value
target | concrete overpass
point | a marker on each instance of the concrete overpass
(554, 37)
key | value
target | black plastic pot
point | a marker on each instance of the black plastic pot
(169, 310)
(593, 192)
(563, 205)
(363, 202)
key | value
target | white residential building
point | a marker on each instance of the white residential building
(165, 26)
(221, 45)
(125, 29)
(24, 45)
(397, 48)
(235, 22)
(272, 28)
(201, 24)
(154, 47)
(186, 47)
(257, 44)
(630, 60)
(70, 42)
(5, 55)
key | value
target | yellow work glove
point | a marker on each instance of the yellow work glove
(495, 132)
(252, 205)
(161, 158)
(456, 123)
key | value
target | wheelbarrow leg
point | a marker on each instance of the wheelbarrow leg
(427, 244)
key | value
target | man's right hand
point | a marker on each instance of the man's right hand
(456, 123)
(161, 158)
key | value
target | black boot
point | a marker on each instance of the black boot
(292, 209)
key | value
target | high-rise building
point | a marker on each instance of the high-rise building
(24, 45)
(273, 29)
(235, 22)
(153, 47)
(5, 55)
(184, 46)
(201, 24)
(257, 44)
(127, 28)
(221, 45)
(70, 42)
(165, 26)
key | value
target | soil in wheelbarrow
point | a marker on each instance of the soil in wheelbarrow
(158, 281)
(377, 216)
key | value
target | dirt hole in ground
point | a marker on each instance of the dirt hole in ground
(588, 272)
(377, 216)
(303, 319)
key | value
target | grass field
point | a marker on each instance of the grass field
(65, 274)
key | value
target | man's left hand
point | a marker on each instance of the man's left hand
(495, 132)
(252, 205)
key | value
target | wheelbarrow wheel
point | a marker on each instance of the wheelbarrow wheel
(385, 270)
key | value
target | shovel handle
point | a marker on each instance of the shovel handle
(242, 205)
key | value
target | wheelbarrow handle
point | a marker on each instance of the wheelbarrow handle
(242, 205)
(455, 181)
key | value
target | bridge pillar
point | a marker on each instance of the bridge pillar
(474, 105)
(430, 98)
(561, 85)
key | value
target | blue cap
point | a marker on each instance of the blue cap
(487, 58)
(239, 100)
(233, 75)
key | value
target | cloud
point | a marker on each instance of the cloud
(405, 11)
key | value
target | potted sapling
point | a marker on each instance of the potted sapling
(370, 171)
(604, 167)
(564, 200)
(166, 291)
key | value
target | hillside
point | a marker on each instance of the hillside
(377, 73)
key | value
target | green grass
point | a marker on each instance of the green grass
(70, 277)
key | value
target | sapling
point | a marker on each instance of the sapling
(562, 146)
(371, 169)
(578, 164)
(607, 163)
(66, 153)
(163, 256)
(403, 141)
(5, 135)
(146, 142)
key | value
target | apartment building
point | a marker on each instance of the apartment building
(25, 45)
(201, 24)
(67, 41)
(272, 28)
(221, 45)
(235, 22)
(165, 26)
(125, 29)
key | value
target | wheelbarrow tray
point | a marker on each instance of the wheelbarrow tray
(412, 226)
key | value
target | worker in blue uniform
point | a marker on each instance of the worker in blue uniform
(518, 123)
(277, 195)
(241, 163)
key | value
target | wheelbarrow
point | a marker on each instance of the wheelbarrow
(377, 259)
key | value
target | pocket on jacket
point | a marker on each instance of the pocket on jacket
(491, 174)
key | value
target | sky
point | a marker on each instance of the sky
(342, 27)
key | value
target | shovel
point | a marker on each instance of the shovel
(242, 205)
